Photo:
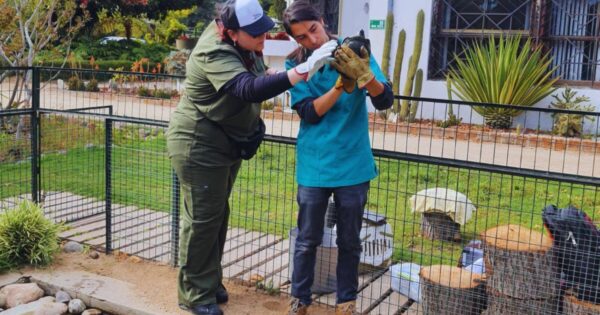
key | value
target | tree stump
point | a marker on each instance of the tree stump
(573, 306)
(506, 305)
(451, 290)
(519, 263)
(438, 226)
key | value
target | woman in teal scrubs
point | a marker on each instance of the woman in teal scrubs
(333, 154)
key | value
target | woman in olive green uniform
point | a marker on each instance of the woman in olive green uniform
(226, 82)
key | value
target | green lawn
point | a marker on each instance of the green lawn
(264, 197)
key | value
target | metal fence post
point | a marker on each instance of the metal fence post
(35, 134)
(108, 124)
(174, 219)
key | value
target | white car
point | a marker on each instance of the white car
(107, 39)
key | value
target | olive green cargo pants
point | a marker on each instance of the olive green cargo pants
(204, 219)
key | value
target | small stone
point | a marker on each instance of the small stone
(51, 309)
(76, 306)
(47, 299)
(73, 247)
(134, 259)
(256, 278)
(94, 255)
(21, 293)
(92, 311)
(62, 297)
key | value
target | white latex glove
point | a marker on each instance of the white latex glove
(319, 58)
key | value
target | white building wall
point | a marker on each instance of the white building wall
(405, 15)
(358, 13)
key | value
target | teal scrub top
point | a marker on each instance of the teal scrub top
(336, 151)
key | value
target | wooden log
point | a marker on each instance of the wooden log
(451, 290)
(499, 304)
(573, 306)
(438, 226)
(519, 263)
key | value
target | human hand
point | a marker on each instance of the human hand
(319, 58)
(353, 66)
(346, 83)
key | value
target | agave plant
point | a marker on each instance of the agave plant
(505, 71)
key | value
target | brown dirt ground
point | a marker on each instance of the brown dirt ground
(162, 293)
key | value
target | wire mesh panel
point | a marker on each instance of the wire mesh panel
(72, 166)
(141, 187)
(533, 140)
(459, 219)
(262, 216)
(15, 159)
(141, 94)
(16, 135)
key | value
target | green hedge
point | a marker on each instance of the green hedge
(103, 65)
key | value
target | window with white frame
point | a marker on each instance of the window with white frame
(568, 29)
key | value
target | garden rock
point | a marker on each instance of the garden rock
(92, 311)
(62, 297)
(73, 247)
(21, 293)
(32, 308)
(94, 255)
(2, 301)
(51, 309)
(112, 85)
(76, 306)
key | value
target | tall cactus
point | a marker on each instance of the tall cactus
(414, 104)
(387, 44)
(398, 67)
(413, 65)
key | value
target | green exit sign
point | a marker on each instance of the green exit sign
(377, 24)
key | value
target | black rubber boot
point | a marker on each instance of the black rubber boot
(222, 295)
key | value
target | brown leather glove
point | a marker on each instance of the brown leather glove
(353, 66)
(346, 83)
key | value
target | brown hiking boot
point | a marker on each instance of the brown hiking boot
(297, 308)
(348, 308)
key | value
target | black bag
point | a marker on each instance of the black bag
(577, 250)
(248, 148)
(245, 149)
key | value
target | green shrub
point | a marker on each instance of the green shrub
(27, 237)
(267, 105)
(505, 71)
(144, 92)
(75, 84)
(92, 86)
(570, 125)
(157, 93)
(164, 93)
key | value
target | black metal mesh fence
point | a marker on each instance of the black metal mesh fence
(445, 197)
